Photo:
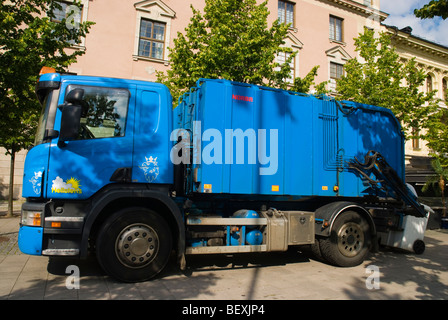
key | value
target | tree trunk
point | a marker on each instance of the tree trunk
(11, 184)
(442, 188)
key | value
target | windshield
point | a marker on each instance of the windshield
(46, 119)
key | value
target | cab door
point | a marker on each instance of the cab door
(152, 145)
(79, 168)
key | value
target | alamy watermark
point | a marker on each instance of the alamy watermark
(262, 147)
(72, 281)
(73, 17)
(373, 280)
(373, 20)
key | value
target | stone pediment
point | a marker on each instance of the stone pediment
(152, 6)
(293, 41)
(338, 52)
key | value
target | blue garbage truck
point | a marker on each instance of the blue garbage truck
(118, 172)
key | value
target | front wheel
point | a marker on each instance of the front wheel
(134, 245)
(349, 241)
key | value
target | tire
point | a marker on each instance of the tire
(134, 245)
(418, 246)
(315, 250)
(349, 242)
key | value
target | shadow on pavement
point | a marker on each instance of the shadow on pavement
(401, 275)
(401, 270)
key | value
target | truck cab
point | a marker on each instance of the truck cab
(95, 137)
(91, 133)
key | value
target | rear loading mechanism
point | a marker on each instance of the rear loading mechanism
(375, 163)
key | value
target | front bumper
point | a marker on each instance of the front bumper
(46, 230)
(31, 231)
(30, 240)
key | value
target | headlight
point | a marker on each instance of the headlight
(31, 218)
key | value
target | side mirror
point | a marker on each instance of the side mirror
(75, 96)
(71, 116)
(51, 134)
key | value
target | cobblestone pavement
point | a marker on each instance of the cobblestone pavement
(8, 244)
(9, 229)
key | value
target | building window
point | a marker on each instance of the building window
(428, 83)
(282, 58)
(71, 12)
(336, 70)
(415, 141)
(152, 31)
(286, 12)
(444, 89)
(152, 39)
(66, 10)
(335, 28)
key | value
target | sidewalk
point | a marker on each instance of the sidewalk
(9, 228)
(17, 205)
(291, 275)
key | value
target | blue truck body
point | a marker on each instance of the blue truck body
(313, 138)
(232, 168)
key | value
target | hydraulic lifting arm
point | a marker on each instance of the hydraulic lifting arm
(387, 177)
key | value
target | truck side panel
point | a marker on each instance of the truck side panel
(256, 140)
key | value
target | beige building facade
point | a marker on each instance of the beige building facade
(430, 57)
(433, 59)
(130, 39)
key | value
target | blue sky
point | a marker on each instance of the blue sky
(401, 14)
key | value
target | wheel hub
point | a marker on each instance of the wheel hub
(137, 245)
(350, 239)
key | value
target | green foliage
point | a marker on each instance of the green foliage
(230, 40)
(437, 136)
(29, 40)
(435, 8)
(381, 78)
(306, 83)
(438, 179)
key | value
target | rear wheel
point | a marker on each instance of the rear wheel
(419, 246)
(349, 241)
(134, 244)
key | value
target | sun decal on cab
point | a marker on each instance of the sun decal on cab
(71, 185)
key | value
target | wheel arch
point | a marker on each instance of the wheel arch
(330, 212)
(113, 200)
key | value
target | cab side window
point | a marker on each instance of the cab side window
(104, 112)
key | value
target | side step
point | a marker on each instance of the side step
(60, 252)
(226, 249)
